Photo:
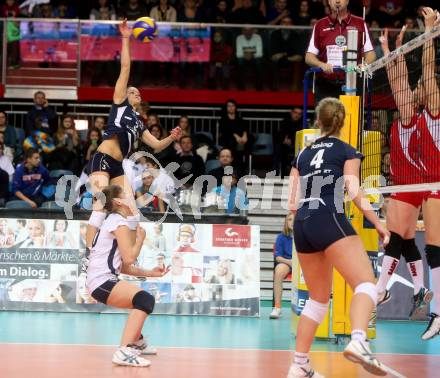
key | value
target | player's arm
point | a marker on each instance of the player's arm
(129, 251)
(352, 185)
(397, 72)
(120, 92)
(294, 190)
(132, 270)
(313, 61)
(428, 63)
(159, 145)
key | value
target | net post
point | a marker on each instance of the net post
(352, 59)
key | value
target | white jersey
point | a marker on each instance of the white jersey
(105, 260)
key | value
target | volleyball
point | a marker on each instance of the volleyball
(145, 29)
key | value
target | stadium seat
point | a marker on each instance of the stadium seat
(263, 145)
(57, 173)
(17, 204)
(52, 205)
(204, 137)
(212, 164)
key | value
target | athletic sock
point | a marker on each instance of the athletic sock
(389, 265)
(358, 335)
(435, 274)
(416, 270)
(301, 358)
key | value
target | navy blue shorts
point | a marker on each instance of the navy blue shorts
(317, 232)
(101, 293)
(105, 163)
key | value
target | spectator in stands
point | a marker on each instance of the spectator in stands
(234, 134)
(317, 10)
(245, 13)
(64, 10)
(152, 118)
(190, 12)
(303, 17)
(249, 53)
(8, 131)
(221, 55)
(100, 123)
(221, 14)
(164, 12)
(277, 12)
(7, 151)
(285, 145)
(43, 11)
(287, 49)
(283, 263)
(10, 9)
(6, 173)
(235, 198)
(330, 35)
(226, 159)
(145, 199)
(189, 162)
(133, 10)
(103, 11)
(67, 151)
(48, 116)
(29, 178)
(94, 139)
(390, 12)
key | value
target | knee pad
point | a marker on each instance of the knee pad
(410, 251)
(315, 310)
(395, 246)
(433, 256)
(97, 218)
(367, 288)
(143, 301)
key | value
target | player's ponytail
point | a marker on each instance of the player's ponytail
(107, 196)
(331, 116)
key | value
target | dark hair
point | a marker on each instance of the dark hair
(39, 92)
(60, 220)
(4, 112)
(161, 130)
(93, 130)
(152, 113)
(30, 152)
(64, 116)
(110, 193)
(150, 160)
(331, 114)
(185, 137)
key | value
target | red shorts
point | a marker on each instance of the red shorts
(415, 198)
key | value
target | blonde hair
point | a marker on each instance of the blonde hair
(286, 230)
(331, 116)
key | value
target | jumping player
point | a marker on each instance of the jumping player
(430, 157)
(113, 252)
(123, 129)
(404, 208)
(319, 175)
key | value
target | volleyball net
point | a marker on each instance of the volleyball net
(400, 129)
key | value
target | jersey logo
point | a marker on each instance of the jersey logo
(340, 40)
(129, 118)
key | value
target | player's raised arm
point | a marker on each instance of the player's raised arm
(159, 145)
(120, 92)
(428, 63)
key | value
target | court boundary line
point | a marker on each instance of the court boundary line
(213, 348)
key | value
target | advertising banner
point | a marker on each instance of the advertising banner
(207, 269)
(58, 42)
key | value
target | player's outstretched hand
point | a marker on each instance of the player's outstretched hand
(176, 133)
(384, 42)
(384, 234)
(124, 29)
(430, 17)
(399, 40)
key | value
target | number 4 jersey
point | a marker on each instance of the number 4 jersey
(321, 167)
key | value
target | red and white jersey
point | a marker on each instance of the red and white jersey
(405, 164)
(430, 145)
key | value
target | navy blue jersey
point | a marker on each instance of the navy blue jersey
(124, 122)
(321, 167)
